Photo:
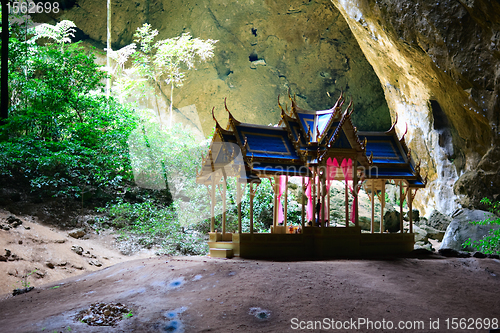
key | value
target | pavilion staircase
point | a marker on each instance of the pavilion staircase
(224, 245)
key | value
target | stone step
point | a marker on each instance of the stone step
(221, 245)
(221, 253)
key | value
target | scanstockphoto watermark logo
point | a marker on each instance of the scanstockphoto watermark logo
(384, 325)
(157, 165)
(355, 324)
(159, 168)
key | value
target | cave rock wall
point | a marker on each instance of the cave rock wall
(434, 66)
(438, 63)
(265, 48)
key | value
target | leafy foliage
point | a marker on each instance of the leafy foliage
(52, 90)
(61, 32)
(148, 225)
(166, 60)
(162, 160)
(491, 242)
(65, 138)
(62, 135)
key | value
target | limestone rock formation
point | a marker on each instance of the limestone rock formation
(438, 64)
(264, 49)
(438, 221)
(433, 233)
(461, 230)
(484, 181)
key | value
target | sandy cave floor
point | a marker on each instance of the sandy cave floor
(201, 294)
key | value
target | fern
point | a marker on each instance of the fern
(61, 32)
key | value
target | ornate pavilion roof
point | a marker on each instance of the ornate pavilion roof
(304, 139)
(391, 157)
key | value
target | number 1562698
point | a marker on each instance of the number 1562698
(31, 7)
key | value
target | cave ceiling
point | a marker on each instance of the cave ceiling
(433, 65)
(264, 49)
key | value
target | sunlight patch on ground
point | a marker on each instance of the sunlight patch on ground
(197, 277)
(260, 313)
(174, 325)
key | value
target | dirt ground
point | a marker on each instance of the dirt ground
(38, 246)
(201, 294)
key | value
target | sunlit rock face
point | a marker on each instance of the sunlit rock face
(438, 63)
(264, 49)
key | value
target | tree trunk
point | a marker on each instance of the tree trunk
(4, 108)
(171, 103)
(108, 45)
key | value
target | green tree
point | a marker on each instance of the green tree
(166, 60)
(63, 136)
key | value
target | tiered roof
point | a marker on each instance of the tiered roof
(304, 139)
(391, 157)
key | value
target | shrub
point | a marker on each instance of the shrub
(62, 136)
(490, 243)
(147, 224)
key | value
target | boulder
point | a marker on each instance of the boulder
(391, 221)
(415, 217)
(453, 253)
(77, 233)
(461, 230)
(21, 291)
(439, 221)
(364, 223)
(423, 246)
(420, 234)
(479, 255)
(14, 221)
(96, 263)
(433, 233)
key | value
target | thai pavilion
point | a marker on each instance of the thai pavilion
(319, 147)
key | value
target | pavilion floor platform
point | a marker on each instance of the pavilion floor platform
(312, 243)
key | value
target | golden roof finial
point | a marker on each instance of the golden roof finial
(231, 117)
(213, 114)
(393, 127)
(298, 139)
(406, 131)
(245, 144)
